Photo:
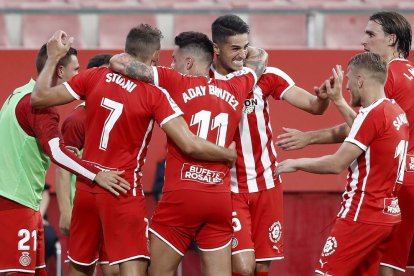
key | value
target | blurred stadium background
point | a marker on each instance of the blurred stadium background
(305, 38)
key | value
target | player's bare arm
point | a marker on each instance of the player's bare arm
(63, 198)
(131, 67)
(328, 164)
(293, 139)
(196, 147)
(334, 91)
(256, 60)
(43, 94)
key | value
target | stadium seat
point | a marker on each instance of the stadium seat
(37, 29)
(278, 30)
(3, 32)
(344, 31)
(194, 22)
(113, 29)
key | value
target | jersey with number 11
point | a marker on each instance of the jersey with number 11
(212, 109)
(120, 118)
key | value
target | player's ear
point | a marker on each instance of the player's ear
(216, 49)
(360, 81)
(59, 71)
(392, 39)
(155, 58)
(189, 62)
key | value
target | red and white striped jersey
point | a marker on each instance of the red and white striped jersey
(400, 87)
(212, 109)
(256, 154)
(120, 118)
(381, 131)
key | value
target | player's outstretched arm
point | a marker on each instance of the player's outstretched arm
(196, 147)
(131, 67)
(293, 139)
(62, 182)
(328, 164)
(43, 94)
(256, 60)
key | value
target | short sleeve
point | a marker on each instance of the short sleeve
(163, 106)
(168, 78)
(245, 78)
(274, 82)
(78, 85)
(364, 129)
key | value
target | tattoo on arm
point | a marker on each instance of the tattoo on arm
(257, 60)
(136, 69)
(139, 71)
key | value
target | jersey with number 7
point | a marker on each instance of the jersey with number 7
(120, 118)
(212, 109)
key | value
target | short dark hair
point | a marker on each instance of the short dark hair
(371, 62)
(228, 25)
(395, 23)
(142, 41)
(196, 42)
(42, 57)
(99, 60)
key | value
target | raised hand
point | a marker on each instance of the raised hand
(334, 85)
(58, 45)
(111, 181)
(292, 139)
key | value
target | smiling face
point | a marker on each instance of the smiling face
(375, 40)
(232, 53)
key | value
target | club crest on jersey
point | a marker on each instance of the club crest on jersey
(234, 242)
(249, 105)
(24, 259)
(330, 246)
(275, 231)
(391, 206)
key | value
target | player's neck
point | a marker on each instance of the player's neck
(220, 69)
(393, 55)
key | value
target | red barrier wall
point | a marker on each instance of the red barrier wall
(306, 67)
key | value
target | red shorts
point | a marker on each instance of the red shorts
(258, 223)
(353, 248)
(21, 238)
(398, 248)
(184, 215)
(410, 262)
(117, 223)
